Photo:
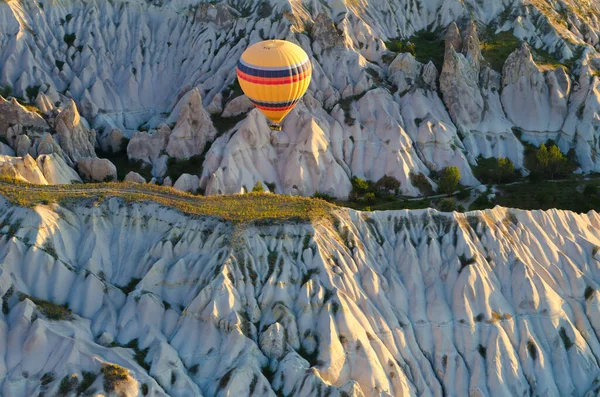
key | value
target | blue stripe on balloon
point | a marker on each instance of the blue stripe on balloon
(285, 71)
(275, 104)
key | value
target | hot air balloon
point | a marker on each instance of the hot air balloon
(274, 75)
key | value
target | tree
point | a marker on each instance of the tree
(505, 171)
(557, 163)
(541, 157)
(449, 180)
(387, 184)
(448, 205)
(258, 188)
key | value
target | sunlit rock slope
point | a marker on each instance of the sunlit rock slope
(406, 303)
(155, 81)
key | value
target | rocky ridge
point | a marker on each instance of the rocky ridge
(496, 303)
(164, 87)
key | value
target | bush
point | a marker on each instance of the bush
(67, 384)
(551, 163)
(450, 176)
(88, 379)
(495, 170)
(590, 190)
(70, 39)
(258, 188)
(421, 182)
(388, 185)
(447, 205)
(113, 375)
(323, 196)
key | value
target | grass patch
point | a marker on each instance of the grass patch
(425, 46)
(178, 167)
(52, 311)
(496, 48)
(238, 208)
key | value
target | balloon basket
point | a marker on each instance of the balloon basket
(275, 127)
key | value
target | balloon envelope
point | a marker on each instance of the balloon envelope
(274, 75)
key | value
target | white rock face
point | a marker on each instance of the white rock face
(193, 130)
(386, 303)
(165, 66)
(527, 91)
(22, 168)
(76, 140)
(134, 177)
(56, 171)
(98, 170)
(187, 183)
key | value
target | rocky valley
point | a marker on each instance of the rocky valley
(146, 288)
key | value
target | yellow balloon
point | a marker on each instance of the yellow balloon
(274, 75)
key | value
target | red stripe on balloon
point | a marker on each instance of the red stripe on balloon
(272, 81)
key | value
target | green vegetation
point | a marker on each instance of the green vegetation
(551, 163)
(532, 349)
(6, 91)
(178, 167)
(52, 311)
(130, 286)
(364, 191)
(495, 170)
(124, 165)
(447, 205)
(449, 178)
(113, 375)
(32, 92)
(59, 65)
(88, 379)
(420, 182)
(47, 378)
(425, 46)
(565, 338)
(496, 48)
(67, 384)
(238, 208)
(258, 188)
(589, 293)
(69, 39)
(482, 351)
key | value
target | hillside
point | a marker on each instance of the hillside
(140, 298)
(399, 88)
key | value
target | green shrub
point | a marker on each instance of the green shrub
(532, 349)
(47, 378)
(447, 205)
(495, 170)
(565, 338)
(113, 375)
(88, 379)
(387, 185)
(67, 385)
(323, 196)
(32, 92)
(590, 190)
(449, 178)
(421, 182)
(425, 46)
(258, 188)
(70, 39)
(589, 293)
